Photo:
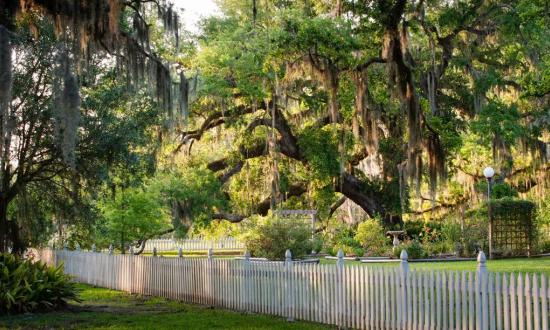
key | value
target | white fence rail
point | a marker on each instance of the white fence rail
(354, 296)
(192, 245)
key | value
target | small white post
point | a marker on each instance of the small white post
(247, 288)
(94, 249)
(155, 252)
(77, 247)
(289, 286)
(340, 262)
(481, 264)
(340, 287)
(131, 250)
(404, 262)
(481, 278)
(210, 278)
(111, 249)
(404, 274)
(180, 252)
(65, 246)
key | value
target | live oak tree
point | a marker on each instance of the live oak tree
(116, 143)
(381, 102)
(114, 29)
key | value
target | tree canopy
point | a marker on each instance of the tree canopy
(390, 107)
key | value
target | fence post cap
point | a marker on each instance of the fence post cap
(93, 248)
(131, 250)
(288, 255)
(110, 248)
(340, 254)
(154, 251)
(180, 252)
(404, 255)
(247, 254)
(210, 253)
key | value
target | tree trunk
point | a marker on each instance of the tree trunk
(4, 226)
(9, 231)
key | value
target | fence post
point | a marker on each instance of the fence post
(210, 277)
(289, 286)
(481, 264)
(482, 276)
(340, 288)
(180, 252)
(111, 249)
(404, 294)
(94, 249)
(247, 284)
(155, 251)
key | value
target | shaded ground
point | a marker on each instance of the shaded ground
(108, 309)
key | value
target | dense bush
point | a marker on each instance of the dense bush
(414, 248)
(342, 237)
(27, 286)
(370, 234)
(426, 231)
(271, 236)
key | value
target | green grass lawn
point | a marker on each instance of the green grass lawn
(529, 265)
(108, 309)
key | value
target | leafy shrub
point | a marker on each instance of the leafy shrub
(271, 236)
(415, 250)
(27, 286)
(342, 237)
(544, 246)
(370, 234)
(438, 248)
(422, 230)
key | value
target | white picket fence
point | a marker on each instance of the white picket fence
(353, 296)
(193, 245)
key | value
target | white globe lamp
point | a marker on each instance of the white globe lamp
(488, 172)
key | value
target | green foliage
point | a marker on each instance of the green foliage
(424, 231)
(370, 234)
(217, 230)
(271, 236)
(498, 189)
(342, 237)
(320, 147)
(505, 208)
(133, 214)
(27, 286)
(414, 248)
(197, 191)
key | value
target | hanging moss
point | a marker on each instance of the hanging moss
(67, 108)
(5, 72)
(184, 97)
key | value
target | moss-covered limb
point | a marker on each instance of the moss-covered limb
(214, 120)
(348, 184)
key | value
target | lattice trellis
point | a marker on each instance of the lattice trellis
(513, 227)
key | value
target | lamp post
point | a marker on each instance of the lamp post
(489, 172)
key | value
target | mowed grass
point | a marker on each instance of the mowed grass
(108, 309)
(515, 265)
